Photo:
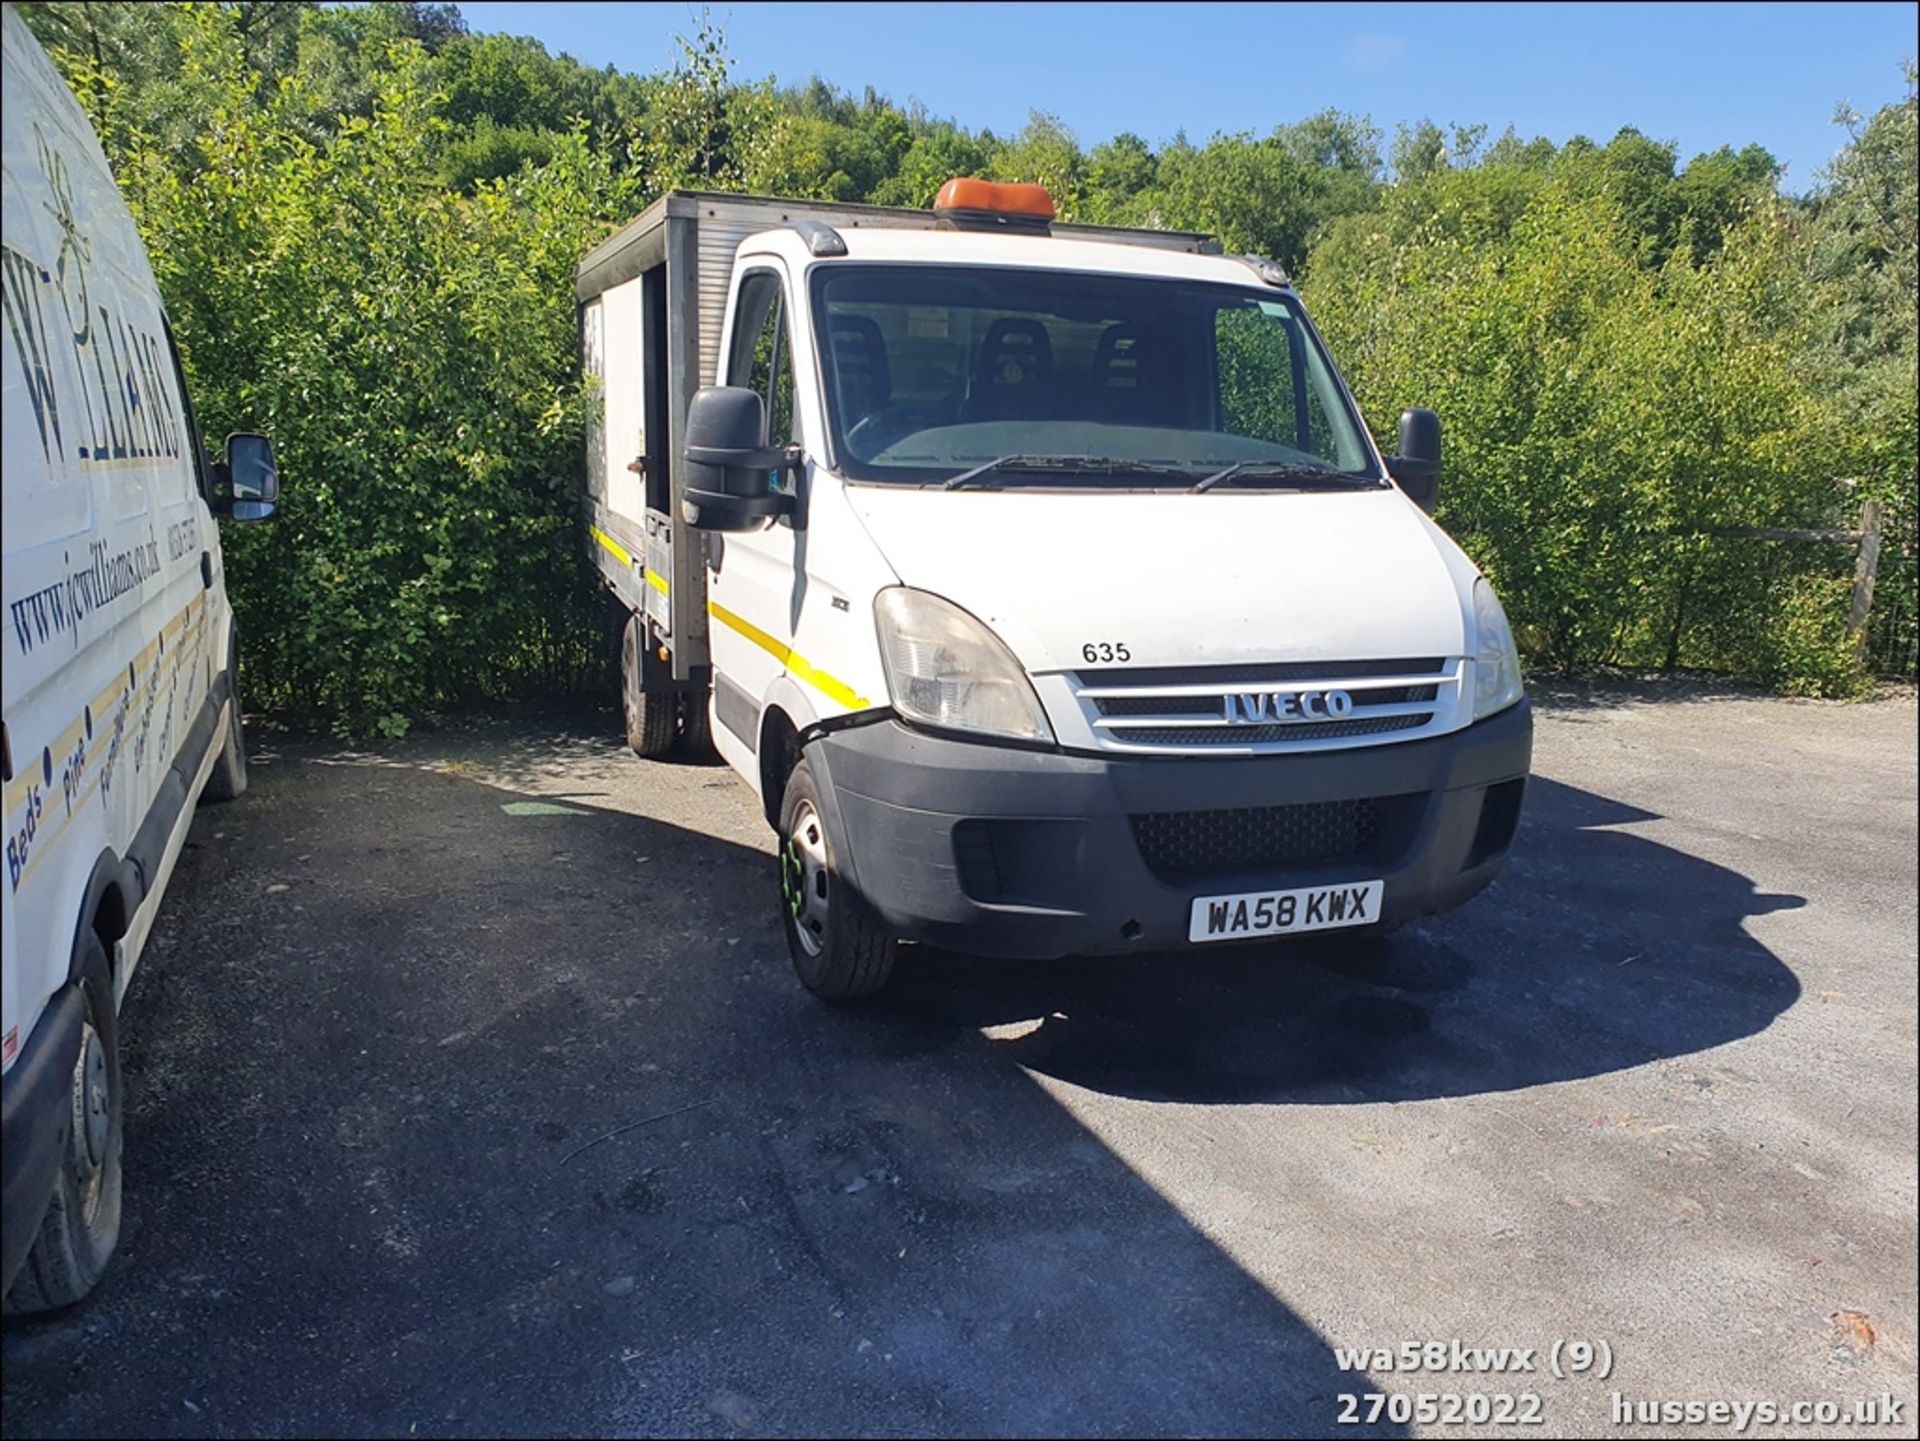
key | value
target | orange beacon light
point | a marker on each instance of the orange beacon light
(965, 203)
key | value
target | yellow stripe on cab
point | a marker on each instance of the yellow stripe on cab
(799, 665)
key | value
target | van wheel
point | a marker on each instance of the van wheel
(696, 730)
(838, 945)
(652, 716)
(82, 1223)
(228, 779)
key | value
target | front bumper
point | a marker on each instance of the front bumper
(1001, 851)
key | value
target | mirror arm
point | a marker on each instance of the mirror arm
(1418, 478)
(770, 457)
(220, 502)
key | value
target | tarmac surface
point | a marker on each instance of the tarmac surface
(471, 1092)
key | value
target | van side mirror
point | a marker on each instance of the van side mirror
(1417, 466)
(729, 485)
(246, 485)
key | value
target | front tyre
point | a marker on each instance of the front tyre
(82, 1224)
(839, 948)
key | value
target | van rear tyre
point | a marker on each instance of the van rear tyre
(840, 950)
(653, 717)
(228, 779)
(696, 730)
(82, 1223)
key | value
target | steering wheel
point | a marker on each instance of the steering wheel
(874, 433)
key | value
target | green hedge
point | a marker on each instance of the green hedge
(1608, 423)
(412, 353)
(365, 222)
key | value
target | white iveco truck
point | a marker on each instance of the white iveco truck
(1041, 579)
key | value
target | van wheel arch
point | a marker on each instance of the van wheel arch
(779, 753)
(106, 913)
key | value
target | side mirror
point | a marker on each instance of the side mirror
(728, 481)
(1417, 466)
(247, 483)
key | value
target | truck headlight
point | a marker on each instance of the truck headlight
(1496, 659)
(946, 669)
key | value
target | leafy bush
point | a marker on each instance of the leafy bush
(1807, 650)
(1609, 422)
(411, 352)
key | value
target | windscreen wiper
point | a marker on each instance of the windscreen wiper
(1298, 475)
(989, 476)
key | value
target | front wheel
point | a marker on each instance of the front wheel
(839, 948)
(82, 1223)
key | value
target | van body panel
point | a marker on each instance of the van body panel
(116, 630)
(1197, 580)
(791, 605)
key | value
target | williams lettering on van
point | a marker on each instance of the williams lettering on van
(118, 366)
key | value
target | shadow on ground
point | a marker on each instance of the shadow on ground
(466, 1110)
(1597, 950)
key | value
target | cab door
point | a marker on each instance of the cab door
(754, 578)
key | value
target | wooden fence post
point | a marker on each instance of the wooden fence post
(1865, 566)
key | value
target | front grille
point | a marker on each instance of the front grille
(1257, 671)
(1163, 707)
(1248, 735)
(1157, 705)
(1179, 845)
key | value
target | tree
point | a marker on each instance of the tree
(1863, 252)
(434, 26)
(936, 154)
(411, 351)
(1117, 170)
(1045, 153)
(831, 147)
(1418, 151)
(1607, 421)
(1718, 190)
(1258, 195)
(702, 130)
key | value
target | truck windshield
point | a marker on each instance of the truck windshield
(934, 372)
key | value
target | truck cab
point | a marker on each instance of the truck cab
(1052, 595)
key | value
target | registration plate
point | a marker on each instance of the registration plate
(1279, 913)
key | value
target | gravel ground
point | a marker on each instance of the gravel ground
(471, 1092)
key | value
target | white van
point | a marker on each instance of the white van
(1041, 579)
(119, 712)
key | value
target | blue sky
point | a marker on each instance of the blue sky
(1704, 75)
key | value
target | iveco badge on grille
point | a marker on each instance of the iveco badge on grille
(1285, 707)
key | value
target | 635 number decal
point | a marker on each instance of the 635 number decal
(1096, 652)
